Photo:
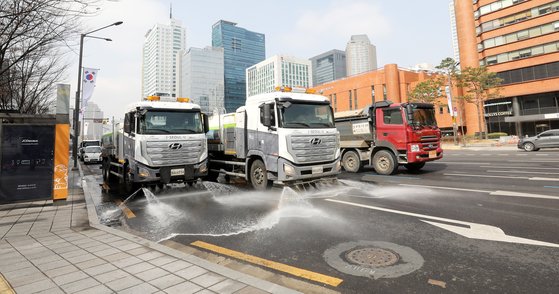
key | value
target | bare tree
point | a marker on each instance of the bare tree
(479, 85)
(34, 37)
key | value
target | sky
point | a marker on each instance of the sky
(404, 32)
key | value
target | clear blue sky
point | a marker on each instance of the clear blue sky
(405, 32)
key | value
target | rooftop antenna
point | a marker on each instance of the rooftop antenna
(171, 10)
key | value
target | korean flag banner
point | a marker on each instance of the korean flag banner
(88, 84)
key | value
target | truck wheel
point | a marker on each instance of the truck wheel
(415, 167)
(259, 175)
(212, 176)
(351, 161)
(385, 163)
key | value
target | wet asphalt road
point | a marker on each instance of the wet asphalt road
(419, 217)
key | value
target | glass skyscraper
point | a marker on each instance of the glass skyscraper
(241, 50)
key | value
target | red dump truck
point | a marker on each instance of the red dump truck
(387, 134)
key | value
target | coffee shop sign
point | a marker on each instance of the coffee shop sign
(499, 113)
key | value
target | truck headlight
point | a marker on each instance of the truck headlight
(203, 167)
(288, 170)
(414, 148)
(143, 172)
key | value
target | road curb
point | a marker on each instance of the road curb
(219, 269)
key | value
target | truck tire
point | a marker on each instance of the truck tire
(258, 176)
(212, 176)
(351, 161)
(385, 162)
(415, 167)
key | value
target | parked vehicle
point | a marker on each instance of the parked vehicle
(387, 135)
(159, 143)
(547, 139)
(92, 154)
(283, 137)
(86, 143)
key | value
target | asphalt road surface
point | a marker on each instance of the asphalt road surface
(476, 221)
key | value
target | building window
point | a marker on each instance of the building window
(520, 54)
(373, 94)
(335, 103)
(384, 93)
(518, 17)
(441, 110)
(350, 101)
(497, 5)
(355, 98)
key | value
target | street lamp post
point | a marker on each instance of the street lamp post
(77, 102)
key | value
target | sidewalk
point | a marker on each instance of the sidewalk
(46, 248)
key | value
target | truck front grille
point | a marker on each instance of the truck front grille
(313, 148)
(174, 152)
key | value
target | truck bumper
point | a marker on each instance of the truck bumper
(171, 174)
(424, 156)
(291, 172)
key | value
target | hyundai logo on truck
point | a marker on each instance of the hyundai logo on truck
(175, 146)
(315, 141)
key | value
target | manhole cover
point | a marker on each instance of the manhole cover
(372, 257)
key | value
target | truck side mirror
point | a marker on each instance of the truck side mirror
(267, 119)
(206, 122)
(409, 113)
(126, 127)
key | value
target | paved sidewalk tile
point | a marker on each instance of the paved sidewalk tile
(183, 288)
(166, 281)
(208, 279)
(227, 286)
(124, 283)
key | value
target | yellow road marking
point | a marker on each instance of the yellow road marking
(5, 287)
(270, 264)
(125, 209)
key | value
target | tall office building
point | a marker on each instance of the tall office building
(328, 66)
(518, 40)
(278, 70)
(453, 32)
(201, 77)
(361, 55)
(161, 46)
(241, 49)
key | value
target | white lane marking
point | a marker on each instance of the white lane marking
(520, 194)
(486, 176)
(494, 193)
(519, 167)
(447, 188)
(505, 177)
(544, 179)
(475, 230)
(459, 162)
(520, 172)
(542, 154)
(533, 161)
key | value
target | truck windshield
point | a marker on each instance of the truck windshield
(424, 117)
(298, 115)
(171, 122)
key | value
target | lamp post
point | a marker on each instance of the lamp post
(77, 102)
